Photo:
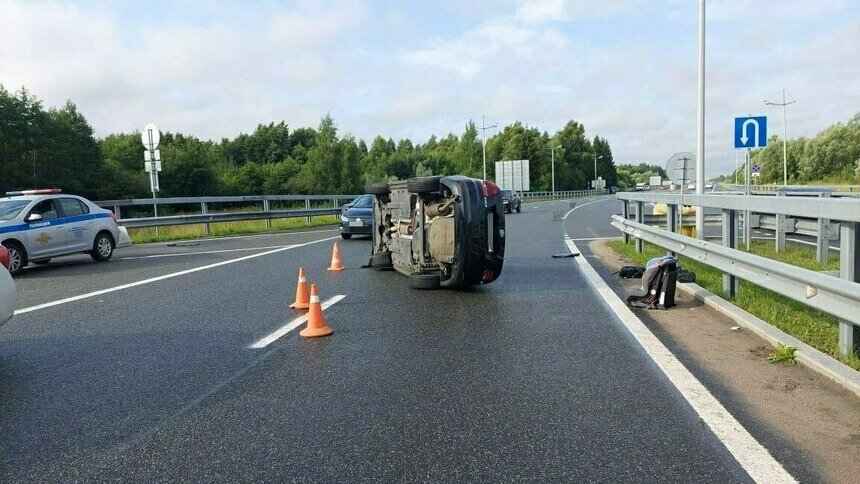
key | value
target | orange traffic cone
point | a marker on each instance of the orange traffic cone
(316, 322)
(302, 296)
(336, 264)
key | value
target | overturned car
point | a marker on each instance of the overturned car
(439, 231)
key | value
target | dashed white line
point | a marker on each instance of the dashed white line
(284, 330)
(750, 454)
(163, 277)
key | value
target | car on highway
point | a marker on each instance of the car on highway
(8, 293)
(439, 231)
(357, 217)
(512, 201)
(38, 225)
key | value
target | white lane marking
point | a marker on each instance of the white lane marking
(203, 252)
(750, 454)
(585, 239)
(163, 277)
(251, 236)
(584, 205)
(284, 330)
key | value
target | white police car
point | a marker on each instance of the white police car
(36, 225)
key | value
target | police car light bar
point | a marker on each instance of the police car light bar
(41, 191)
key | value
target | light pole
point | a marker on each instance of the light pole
(784, 140)
(595, 158)
(700, 132)
(484, 141)
(552, 151)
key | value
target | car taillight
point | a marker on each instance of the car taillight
(4, 257)
(489, 189)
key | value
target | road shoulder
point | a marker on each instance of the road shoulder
(810, 423)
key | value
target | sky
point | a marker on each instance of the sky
(625, 69)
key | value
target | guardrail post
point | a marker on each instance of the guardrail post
(730, 240)
(266, 209)
(849, 268)
(671, 220)
(625, 212)
(640, 217)
(779, 233)
(308, 207)
(204, 209)
(116, 212)
(822, 241)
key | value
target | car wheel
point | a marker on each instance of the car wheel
(346, 236)
(377, 189)
(41, 261)
(427, 184)
(424, 281)
(17, 257)
(102, 247)
(381, 261)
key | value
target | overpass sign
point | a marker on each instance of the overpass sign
(750, 132)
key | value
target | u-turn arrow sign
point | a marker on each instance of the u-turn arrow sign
(750, 132)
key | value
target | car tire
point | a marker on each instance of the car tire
(16, 253)
(381, 261)
(424, 281)
(428, 184)
(41, 261)
(103, 246)
(377, 189)
(346, 236)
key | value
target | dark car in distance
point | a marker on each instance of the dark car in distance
(357, 217)
(512, 201)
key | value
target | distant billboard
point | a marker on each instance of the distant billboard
(513, 175)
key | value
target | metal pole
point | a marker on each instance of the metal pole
(784, 144)
(747, 213)
(552, 150)
(736, 167)
(625, 212)
(700, 134)
(640, 217)
(484, 145)
(730, 240)
(204, 209)
(849, 268)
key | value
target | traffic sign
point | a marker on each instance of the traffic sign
(750, 132)
(756, 168)
(150, 136)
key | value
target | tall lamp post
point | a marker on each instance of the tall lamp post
(595, 157)
(700, 124)
(484, 128)
(552, 151)
(784, 140)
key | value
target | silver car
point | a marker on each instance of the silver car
(38, 225)
(8, 293)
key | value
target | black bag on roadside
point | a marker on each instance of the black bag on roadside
(631, 272)
(686, 276)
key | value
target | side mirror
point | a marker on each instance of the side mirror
(34, 217)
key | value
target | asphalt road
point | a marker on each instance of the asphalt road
(529, 378)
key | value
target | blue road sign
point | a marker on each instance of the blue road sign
(756, 168)
(750, 132)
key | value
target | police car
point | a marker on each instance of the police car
(37, 225)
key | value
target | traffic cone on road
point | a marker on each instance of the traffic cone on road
(316, 322)
(302, 295)
(336, 264)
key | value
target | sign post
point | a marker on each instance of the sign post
(150, 137)
(750, 133)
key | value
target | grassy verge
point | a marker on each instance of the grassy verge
(817, 329)
(194, 231)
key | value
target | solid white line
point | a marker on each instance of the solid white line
(203, 252)
(284, 330)
(750, 454)
(585, 239)
(161, 278)
(251, 236)
(584, 205)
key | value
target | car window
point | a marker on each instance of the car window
(10, 209)
(506, 193)
(46, 209)
(363, 202)
(73, 207)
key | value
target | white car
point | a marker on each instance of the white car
(8, 293)
(37, 225)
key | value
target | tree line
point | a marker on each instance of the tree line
(56, 147)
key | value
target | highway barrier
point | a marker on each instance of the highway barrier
(839, 296)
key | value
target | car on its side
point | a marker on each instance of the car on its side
(512, 201)
(38, 225)
(439, 231)
(356, 218)
(8, 293)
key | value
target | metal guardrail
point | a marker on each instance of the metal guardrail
(206, 218)
(564, 194)
(837, 296)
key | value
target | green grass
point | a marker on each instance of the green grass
(194, 231)
(783, 354)
(816, 328)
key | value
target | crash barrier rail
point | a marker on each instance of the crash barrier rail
(564, 194)
(205, 217)
(836, 190)
(837, 296)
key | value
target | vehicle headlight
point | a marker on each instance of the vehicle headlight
(344, 218)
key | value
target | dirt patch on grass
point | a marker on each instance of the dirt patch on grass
(797, 404)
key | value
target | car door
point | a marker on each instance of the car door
(45, 236)
(78, 225)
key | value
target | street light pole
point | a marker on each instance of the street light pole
(595, 158)
(784, 139)
(700, 132)
(552, 151)
(484, 128)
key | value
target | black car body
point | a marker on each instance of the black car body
(439, 231)
(357, 217)
(512, 201)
